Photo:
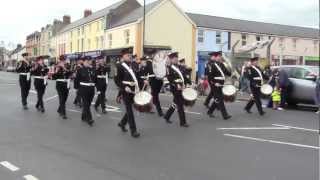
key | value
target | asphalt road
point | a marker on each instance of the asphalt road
(283, 145)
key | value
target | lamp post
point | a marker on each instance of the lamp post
(144, 25)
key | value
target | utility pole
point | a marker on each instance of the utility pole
(144, 25)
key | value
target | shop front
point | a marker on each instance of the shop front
(312, 60)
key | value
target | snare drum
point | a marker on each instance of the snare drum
(190, 96)
(143, 101)
(266, 90)
(229, 93)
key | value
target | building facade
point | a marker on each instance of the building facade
(33, 44)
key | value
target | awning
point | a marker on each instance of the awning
(73, 56)
(115, 52)
(312, 58)
(93, 54)
(151, 48)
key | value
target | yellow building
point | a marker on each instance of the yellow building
(121, 26)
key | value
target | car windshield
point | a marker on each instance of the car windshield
(315, 70)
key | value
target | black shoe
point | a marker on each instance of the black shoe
(90, 122)
(42, 110)
(25, 107)
(248, 111)
(262, 113)
(104, 111)
(135, 135)
(161, 114)
(211, 115)
(64, 117)
(184, 125)
(123, 128)
(227, 117)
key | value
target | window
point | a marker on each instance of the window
(89, 28)
(258, 38)
(127, 36)
(102, 24)
(97, 42)
(102, 42)
(299, 73)
(201, 36)
(294, 44)
(78, 45)
(110, 40)
(244, 39)
(82, 30)
(78, 31)
(89, 44)
(281, 42)
(218, 37)
(82, 45)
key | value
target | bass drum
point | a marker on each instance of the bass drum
(266, 90)
(143, 101)
(159, 63)
(229, 93)
(190, 96)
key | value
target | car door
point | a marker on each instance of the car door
(303, 90)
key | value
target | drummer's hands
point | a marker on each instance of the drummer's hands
(217, 84)
(146, 82)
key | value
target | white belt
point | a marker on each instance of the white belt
(130, 83)
(62, 80)
(219, 78)
(87, 84)
(42, 77)
(178, 81)
(39, 77)
(26, 74)
(101, 77)
(257, 78)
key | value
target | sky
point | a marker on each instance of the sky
(18, 18)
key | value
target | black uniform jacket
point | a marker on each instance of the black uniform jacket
(217, 73)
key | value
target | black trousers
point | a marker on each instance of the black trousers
(284, 96)
(178, 103)
(63, 93)
(218, 102)
(41, 89)
(209, 97)
(101, 96)
(255, 100)
(25, 86)
(77, 99)
(128, 117)
(87, 94)
(156, 86)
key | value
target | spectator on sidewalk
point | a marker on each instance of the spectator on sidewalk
(276, 97)
(244, 81)
(284, 83)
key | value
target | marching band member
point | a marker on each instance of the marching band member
(77, 101)
(128, 84)
(206, 73)
(62, 76)
(86, 78)
(155, 84)
(24, 69)
(217, 74)
(255, 76)
(185, 70)
(101, 85)
(176, 80)
(40, 73)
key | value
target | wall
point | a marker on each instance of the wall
(209, 43)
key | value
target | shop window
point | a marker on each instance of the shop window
(218, 37)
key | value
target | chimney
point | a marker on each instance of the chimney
(66, 19)
(87, 13)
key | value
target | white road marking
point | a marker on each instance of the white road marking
(50, 98)
(272, 141)
(9, 166)
(72, 110)
(30, 177)
(298, 128)
(255, 128)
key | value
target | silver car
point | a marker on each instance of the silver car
(302, 83)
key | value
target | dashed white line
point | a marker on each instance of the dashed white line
(189, 112)
(50, 98)
(30, 177)
(272, 141)
(9, 166)
(255, 128)
(298, 128)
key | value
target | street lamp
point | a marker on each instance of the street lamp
(144, 25)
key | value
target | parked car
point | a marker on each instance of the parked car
(302, 83)
(10, 69)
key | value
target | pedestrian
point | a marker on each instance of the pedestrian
(128, 84)
(206, 73)
(244, 82)
(24, 68)
(177, 84)
(101, 85)
(317, 95)
(276, 97)
(86, 76)
(255, 76)
(274, 80)
(62, 75)
(40, 73)
(284, 84)
(217, 76)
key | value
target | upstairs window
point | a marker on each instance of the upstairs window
(200, 36)
(127, 36)
(218, 37)
(244, 39)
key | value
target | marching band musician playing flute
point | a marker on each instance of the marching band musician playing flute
(24, 68)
